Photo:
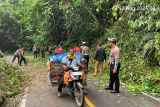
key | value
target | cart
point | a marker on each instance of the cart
(55, 68)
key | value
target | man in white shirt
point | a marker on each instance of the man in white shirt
(85, 53)
(114, 65)
(1, 54)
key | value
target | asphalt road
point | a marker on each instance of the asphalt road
(44, 95)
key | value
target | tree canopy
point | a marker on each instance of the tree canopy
(67, 23)
(62, 22)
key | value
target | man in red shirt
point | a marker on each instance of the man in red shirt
(76, 49)
(59, 50)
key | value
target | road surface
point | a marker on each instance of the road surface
(39, 93)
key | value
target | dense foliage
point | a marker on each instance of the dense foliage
(53, 22)
(68, 22)
(137, 28)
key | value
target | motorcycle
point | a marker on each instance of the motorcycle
(73, 81)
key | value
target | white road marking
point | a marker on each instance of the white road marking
(23, 103)
(157, 99)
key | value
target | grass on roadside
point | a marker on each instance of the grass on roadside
(137, 77)
(11, 78)
(39, 61)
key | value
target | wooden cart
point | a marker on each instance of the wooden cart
(55, 70)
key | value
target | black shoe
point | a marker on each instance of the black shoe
(108, 88)
(114, 91)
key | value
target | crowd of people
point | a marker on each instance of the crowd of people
(99, 59)
(41, 51)
(37, 50)
(70, 59)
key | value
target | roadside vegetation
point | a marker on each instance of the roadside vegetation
(139, 78)
(11, 80)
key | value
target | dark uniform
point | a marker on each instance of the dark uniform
(114, 78)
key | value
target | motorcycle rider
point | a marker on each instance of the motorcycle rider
(71, 60)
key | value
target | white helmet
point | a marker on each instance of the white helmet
(83, 43)
(112, 39)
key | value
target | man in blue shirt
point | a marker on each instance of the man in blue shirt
(71, 60)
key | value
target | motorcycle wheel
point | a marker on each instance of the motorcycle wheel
(79, 96)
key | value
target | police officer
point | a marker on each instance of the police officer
(114, 65)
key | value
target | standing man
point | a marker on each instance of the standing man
(50, 50)
(35, 51)
(16, 55)
(42, 49)
(22, 57)
(85, 53)
(114, 65)
(38, 50)
(1, 54)
(99, 58)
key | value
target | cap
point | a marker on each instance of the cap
(83, 42)
(112, 39)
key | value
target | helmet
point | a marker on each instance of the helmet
(83, 60)
(112, 39)
(83, 43)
